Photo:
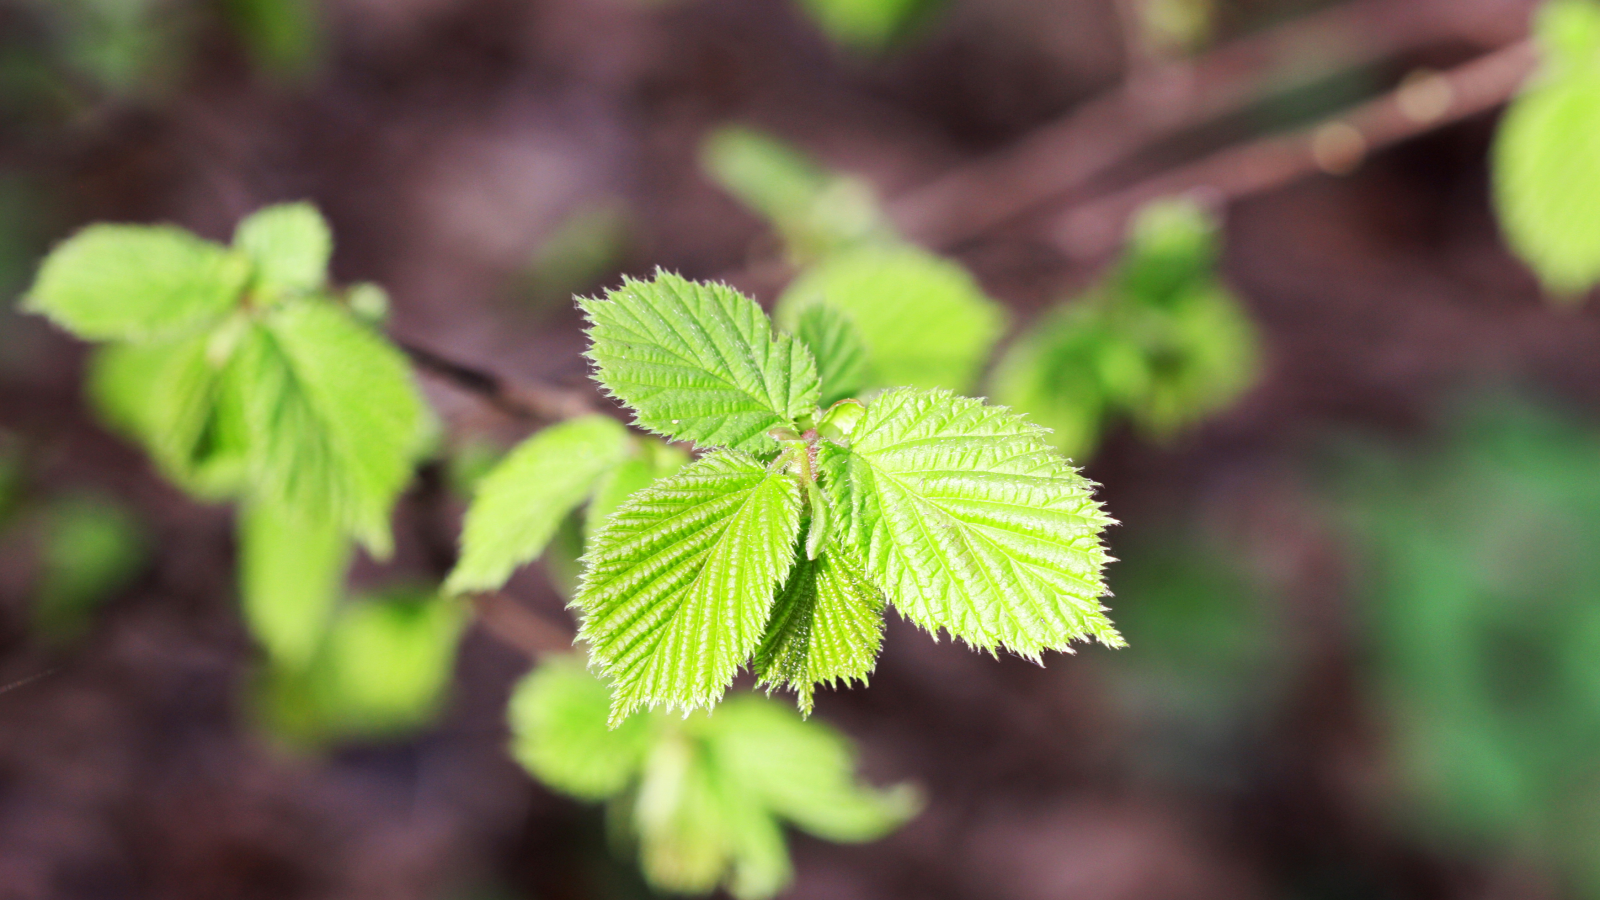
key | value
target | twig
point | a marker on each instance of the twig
(520, 627)
(540, 403)
(1092, 229)
(1161, 101)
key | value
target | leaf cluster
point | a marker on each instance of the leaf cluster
(703, 796)
(779, 548)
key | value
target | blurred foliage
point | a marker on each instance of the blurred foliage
(816, 212)
(1174, 27)
(92, 547)
(866, 25)
(291, 575)
(1205, 654)
(1546, 159)
(1161, 340)
(701, 795)
(284, 37)
(381, 671)
(1487, 633)
(588, 244)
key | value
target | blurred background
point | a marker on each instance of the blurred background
(1352, 445)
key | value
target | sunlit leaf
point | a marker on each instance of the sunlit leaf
(971, 523)
(291, 575)
(827, 625)
(559, 732)
(840, 351)
(290, 244)
(699, 361)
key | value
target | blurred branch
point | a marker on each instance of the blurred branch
(522, 400)
(1336, 146)
(520, 627)
(1159, 101)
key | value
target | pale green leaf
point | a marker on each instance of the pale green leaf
(1568, 32)
(839, 349)
(970, 522)
(651, 460)
(827, 625)
(290, 244)
(170, 397)
(291, 575)
(681, 820)
(699, 362)
(389, 661)
(679, 584)
(1050, 373)
(558, 732)
(333, 415)
(924, 320)
(803, 771)
(136, 282)
(518, 506)
(1546, 167)
(863, 24)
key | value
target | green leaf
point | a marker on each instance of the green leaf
(863, 24)
(971, 523)
(840, 352)
(559, 733)
(699, 362)
(291, 575)
(1568, 32)
(925, 321)
(518, 506)
(651, 460)
(333, 417)
(679, 584)
(827, 625)
(816, 212)
(389, 661)
(681, 819)
(803, 771)
(1546, 167)
(170, 397)
(137, 282)
(93, 547)
(290, 244)
(1050, 373)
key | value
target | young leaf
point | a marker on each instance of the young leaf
(827, 624)
(924, 320)
(863, 24)
(1546, 166)
(169, 396)
(290, 244)
(558, 732)
(971, 523)
(333, 416)
(680, 582)
(389, 660)
(699, 362)
(840, 352)
(291, 575)
(1051, 373)
(681, 819)
(803, 771)
(137, 282)
(518, 506)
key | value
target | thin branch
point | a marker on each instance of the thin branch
(520, 627)
(1156, 103)
(1094, 228)
(534, 402)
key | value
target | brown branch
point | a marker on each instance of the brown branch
(1159, 102)
(534, 402)
(1092, 229)
(520, 627)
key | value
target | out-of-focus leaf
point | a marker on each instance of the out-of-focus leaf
(651, 460)
(841, 352)
(290, 244)
(924, 320)
(291, 575)
(137, 282)
(284, 37)
(815, 211)
(389, 661)
(702, 795)
(1547, 154)
(334, 418)
(559, 732)
(863, 24)
(92, 548)
(589, 243)
(518, 506)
